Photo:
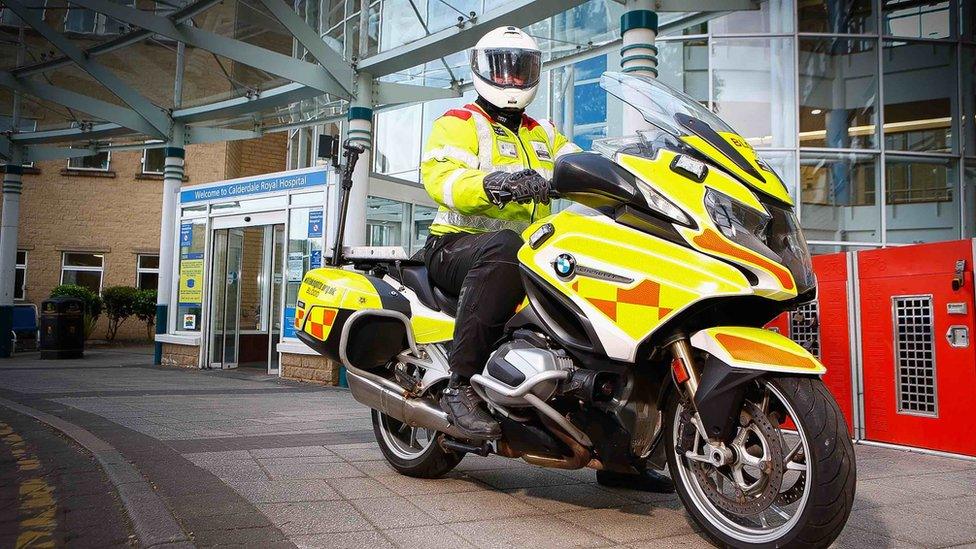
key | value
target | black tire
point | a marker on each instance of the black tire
(831, 466)
(434, 462)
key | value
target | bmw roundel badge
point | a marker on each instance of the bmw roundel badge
(564, 265)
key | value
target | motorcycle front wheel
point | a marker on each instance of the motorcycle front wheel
(790, 475)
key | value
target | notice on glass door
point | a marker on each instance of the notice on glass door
(296, 266)
(191, 281)
(315, 223)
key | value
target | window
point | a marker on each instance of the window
(95, 162)
(10, 19)
(20, 277)
(922, 202)
(153, 160)
(147, 272)
(838, 101)
(83, 269)
(920, 117)
(304, 253)
(752, 86)
(838, 193)
(836, 16)
(86, 21)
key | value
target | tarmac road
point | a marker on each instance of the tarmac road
(52, 492)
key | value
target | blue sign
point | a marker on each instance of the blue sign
(186, 235)
(257, 185)
(315, 259)
(289, 327)
(314, 223)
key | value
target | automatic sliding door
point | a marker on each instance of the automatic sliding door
(225, 292)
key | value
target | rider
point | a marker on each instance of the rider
(487, 165)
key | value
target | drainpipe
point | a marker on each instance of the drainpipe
(638, 54)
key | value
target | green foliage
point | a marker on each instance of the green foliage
(93, 303)
(120, 302)
(145, 309)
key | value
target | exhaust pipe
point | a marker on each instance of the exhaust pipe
(388, 398)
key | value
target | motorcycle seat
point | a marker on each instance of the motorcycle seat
(417, 279)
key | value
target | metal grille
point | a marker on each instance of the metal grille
(914, 355)
(805, 327)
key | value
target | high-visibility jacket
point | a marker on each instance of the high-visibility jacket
(465, 145)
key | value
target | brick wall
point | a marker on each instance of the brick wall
(116, 213)
(183, 356)
(257, 156)
(311, 368)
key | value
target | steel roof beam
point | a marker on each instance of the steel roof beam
(285, 66)
(268, 99)
(330, 59)
(153, 115)
(393, 93)
(40, 154)
(519, 13)
(98, 131)
(73, 100)
(122, 41)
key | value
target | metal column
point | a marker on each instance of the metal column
(172, 181)
(9, 221)
(638, 54)
(360, 133)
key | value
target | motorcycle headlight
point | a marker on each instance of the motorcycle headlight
(775, 235)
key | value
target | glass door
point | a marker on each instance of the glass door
(225, 291)
(276, 294)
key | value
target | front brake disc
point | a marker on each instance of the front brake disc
(758, 499)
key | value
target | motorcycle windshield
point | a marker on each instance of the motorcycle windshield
(672, 111)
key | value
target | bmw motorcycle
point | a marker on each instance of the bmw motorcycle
(639, 344)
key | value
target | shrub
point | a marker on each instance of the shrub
(145, 309)
(120, 302)
(93, 303)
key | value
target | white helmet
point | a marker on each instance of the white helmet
(505, 65)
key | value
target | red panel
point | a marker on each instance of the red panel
(835, 343)
(835, 349)
(925, 269)
(780, 324)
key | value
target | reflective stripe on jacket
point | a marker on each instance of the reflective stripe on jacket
(465, 145)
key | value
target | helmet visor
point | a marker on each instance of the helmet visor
(507, 67)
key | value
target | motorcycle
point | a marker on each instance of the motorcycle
(640, 343)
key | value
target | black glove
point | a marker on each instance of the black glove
(521, 187)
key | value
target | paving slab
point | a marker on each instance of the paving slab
(245, 458)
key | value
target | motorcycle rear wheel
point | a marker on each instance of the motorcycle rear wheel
(412, 451)
(805, 500)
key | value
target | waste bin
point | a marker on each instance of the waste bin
(62, 328)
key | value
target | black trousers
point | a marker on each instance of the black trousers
(483, 270)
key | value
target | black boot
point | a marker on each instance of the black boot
(645, 481)
(466, 411)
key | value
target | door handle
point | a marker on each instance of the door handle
(958, 336)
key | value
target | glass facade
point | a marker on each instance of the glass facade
(867, 108)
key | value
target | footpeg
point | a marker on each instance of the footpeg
(463, 448)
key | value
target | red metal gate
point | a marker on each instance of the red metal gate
(821, 326)
(919, 368)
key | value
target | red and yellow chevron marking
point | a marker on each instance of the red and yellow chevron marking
(636, 310)
(319, 323)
